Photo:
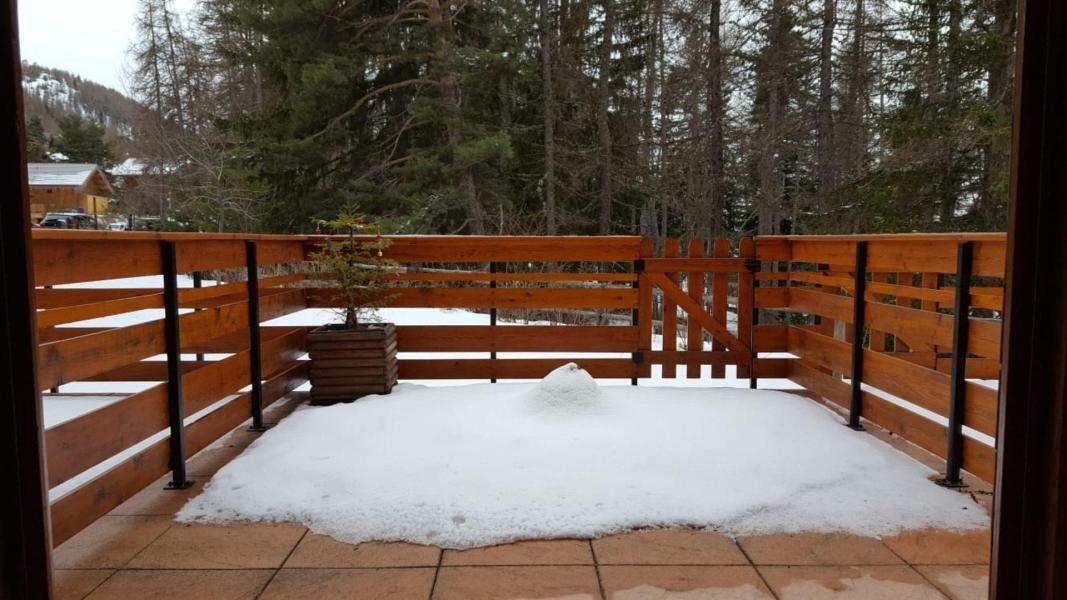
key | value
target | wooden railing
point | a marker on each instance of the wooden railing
(911, 346)
(686, 300)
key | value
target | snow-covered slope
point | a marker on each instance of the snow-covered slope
(51, 94)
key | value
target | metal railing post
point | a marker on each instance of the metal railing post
(254, 349)
(958, 384)
(637, 357)
(172, 334)
(492, 318)
(198, 282)
(754, 267)
(859, 303)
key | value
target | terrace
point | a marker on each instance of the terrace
(174, 344)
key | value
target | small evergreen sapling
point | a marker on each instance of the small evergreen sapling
(354, 263)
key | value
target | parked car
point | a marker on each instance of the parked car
(118, 226)
(67, 221)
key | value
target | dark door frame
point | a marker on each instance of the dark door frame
(25, 539)
(1030, 508)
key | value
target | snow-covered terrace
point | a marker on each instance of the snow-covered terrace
(592, 431)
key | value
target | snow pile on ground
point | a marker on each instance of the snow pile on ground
(567, 390)
(473, 465)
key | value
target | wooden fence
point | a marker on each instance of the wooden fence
(910, 346)
(908, 351)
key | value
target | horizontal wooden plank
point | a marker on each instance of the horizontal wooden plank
(77, 445)
(481, 249)
(78, 509)
(441, 297)
(52, 298)
(704, 265)
(990, 298)
(518, 338)
(978, 458)
(921, 254)
(476, 276)
(770, 248)
(772, 297)
(771, 338)
(89, 355)
(923, 387)
(912, 325)
(519, 368)
(82, 312)
(57, 261)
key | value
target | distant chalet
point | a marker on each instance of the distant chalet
(68, 187)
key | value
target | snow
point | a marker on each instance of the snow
(483, 464)
(566, 390)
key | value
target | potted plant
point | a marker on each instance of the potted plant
(357, 356)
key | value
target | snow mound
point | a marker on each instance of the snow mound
(470, 466)
(567, 390)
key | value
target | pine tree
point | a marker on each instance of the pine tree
(36, 141)
(82, 141)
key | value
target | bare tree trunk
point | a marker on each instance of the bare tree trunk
(771, 184)
(825, 167)
(548, 40)
(953, 71)
(716, 113)
(453, 96)
(997, 151)
(853, 136)
(603, 124)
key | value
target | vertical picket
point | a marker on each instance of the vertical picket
(671, 249)
(695, 286)
(719, 297)
(746, 282)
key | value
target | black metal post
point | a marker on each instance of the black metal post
(492, 316)
(198, 282)
(638, 266)
(754, 267)
(859, 304)
(172, 333)
(958, 385)
(254, 350)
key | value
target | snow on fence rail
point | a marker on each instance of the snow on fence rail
(908, 352)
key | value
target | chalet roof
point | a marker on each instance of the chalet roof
(88, 176)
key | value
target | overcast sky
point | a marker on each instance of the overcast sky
(86, 37)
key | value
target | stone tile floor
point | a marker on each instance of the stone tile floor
(137, 552)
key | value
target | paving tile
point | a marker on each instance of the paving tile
(690, 582)
(533, 552)
(815, 549)
(350, 584)
(201, 585)
(940, 547)
(324, 552)
(75, 584)
(894, 582)
(668, 547)
(157, 500)
(222, 546)
(207, 462)
(959, 582)
(499, 583)
(110, 542)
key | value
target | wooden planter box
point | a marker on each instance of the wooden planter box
(349, 364)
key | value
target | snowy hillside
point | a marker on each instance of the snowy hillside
(51, 94)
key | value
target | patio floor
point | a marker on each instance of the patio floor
(138, 552)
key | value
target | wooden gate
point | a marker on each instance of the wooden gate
(709, 273)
